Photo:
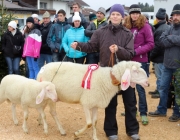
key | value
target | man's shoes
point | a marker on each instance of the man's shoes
(144, 120)
(153, 92)
(156, 114)
(113, 137)
(135, 137)
(174, 118)
(155, 96)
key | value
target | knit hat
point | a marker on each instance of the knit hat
(30, 19)
(134, 8)
(146, 15)
(34, 16)
(92, 17)
(161, 14)
(13, 24)
(102, 10)
(117, 8)
(76, 17)
(46, 15)
(176, 9)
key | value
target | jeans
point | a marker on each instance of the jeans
(33, 67)
(166, 79)
(75, 60)
(55, 57)
(131, 123)
(13, 64)
(158, 72)
(44, 58)
(92, 58)
(142, 93)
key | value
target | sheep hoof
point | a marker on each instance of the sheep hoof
(46, 133)
(76, 133)
(63, 134)
(16, 122)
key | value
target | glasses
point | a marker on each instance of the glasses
(74, 7)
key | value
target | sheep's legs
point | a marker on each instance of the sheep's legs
(88, 122)
(13, 107)
(94, 122)
(52, 106)
(24, 126)
(41, 111)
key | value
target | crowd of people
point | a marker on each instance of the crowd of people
(127, 35)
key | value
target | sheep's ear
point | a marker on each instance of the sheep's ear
(125, 80)
(40, 96)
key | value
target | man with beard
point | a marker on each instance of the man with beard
(170, 40)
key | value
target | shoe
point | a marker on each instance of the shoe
(155, 96)
(144, 120)
(156, 114)
(135, 137)
(153, 92)
(174, 118)
(113, 137)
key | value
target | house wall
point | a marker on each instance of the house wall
(151, 16)
(167, 4)
(31, 2)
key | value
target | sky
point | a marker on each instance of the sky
(95, 4)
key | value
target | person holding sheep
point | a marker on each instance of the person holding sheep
(32, 47)
(109, 40)
(75, 33)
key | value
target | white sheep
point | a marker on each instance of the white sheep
(29, 93)
(68, 76)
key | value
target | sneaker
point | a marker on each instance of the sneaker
(135, 137)
(153, 92)
(144, 120)
(174, 118)
(156, 114)
(155, 96)
(113, 137)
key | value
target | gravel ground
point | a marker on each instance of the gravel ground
(72, 118)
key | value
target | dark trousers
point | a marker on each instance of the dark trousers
(92, 58)
(75, 60)
(131, 123)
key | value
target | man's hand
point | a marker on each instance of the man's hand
(113, 48)
(56, 50)
(74, 45)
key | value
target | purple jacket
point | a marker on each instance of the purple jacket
(143, 42)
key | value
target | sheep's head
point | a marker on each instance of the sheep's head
(47, 92)
(133, 74)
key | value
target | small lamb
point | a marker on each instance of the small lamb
(29, 93)
(67, 77)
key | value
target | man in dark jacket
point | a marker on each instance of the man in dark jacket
(170, 40)
(108, 40)
(55, 36)
(45, 52)
(93, 58)
(157, 54)
(76, 8)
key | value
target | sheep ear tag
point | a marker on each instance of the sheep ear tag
(125, 80)
(86, 82)
(40, 97)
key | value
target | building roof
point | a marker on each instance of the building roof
(23, 4)
(87, 11)
(82, 3)
(12, 6)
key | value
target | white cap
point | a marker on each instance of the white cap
(13, 24)
(34, 16)
(76, 17)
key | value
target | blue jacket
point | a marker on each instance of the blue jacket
(74, 34)
(56, 33)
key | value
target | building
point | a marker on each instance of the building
(19, 12)
(87, 11)
(167, 4)
(151, 16)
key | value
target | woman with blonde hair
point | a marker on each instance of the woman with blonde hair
(143, 43)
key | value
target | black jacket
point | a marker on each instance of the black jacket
(45, 49)
(170, 40)
(157, 54)
(93, 26)
(8, 42)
